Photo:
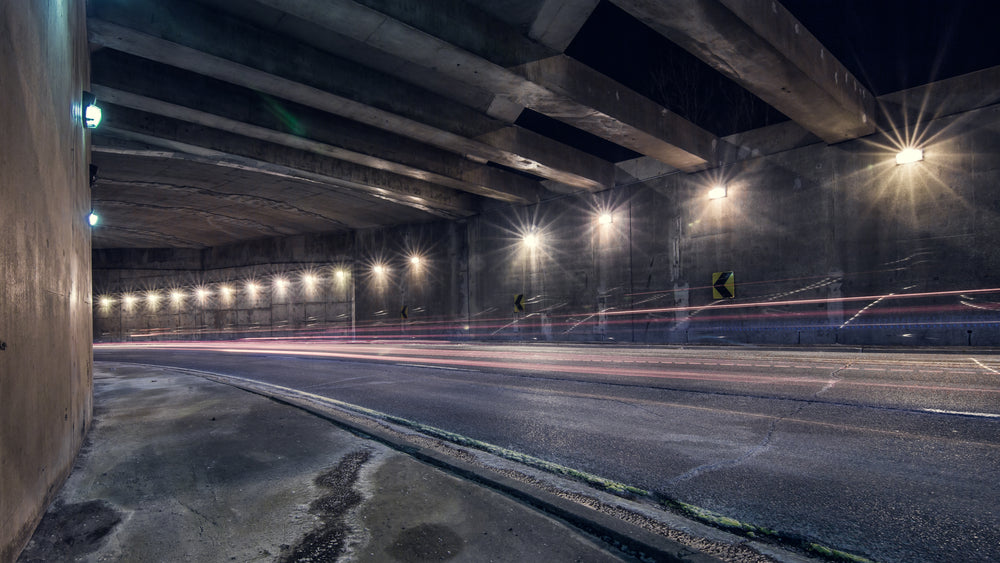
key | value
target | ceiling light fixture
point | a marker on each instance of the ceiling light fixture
(906, 156)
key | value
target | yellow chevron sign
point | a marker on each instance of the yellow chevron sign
(723, 285)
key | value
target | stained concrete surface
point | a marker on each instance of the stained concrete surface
(178, 468)
(45, 260)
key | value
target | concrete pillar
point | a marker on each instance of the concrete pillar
(45, 295)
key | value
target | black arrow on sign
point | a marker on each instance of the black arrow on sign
(403, 311)
(518, 303)
(720, 285)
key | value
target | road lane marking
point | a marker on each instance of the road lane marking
(426, 366)
(961, 413)
(984, 366)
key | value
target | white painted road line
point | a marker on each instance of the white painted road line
(960, 413)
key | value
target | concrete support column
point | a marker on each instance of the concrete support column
(45, 285)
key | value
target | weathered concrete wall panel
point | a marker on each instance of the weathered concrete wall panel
(45, 310)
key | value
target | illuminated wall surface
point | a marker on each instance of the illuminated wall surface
(45, 310)
(828, 244)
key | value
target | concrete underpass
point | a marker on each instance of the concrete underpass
(675, 280)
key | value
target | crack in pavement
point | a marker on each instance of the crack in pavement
(766, 441)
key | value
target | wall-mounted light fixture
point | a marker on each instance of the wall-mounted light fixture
(378, 269)
(93, 218)
(280, 285)
(605, 219)
(415, 260)
(92, 114)
(718, 192)
(906, 156)
(530, 240)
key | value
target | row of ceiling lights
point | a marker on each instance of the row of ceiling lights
(280, 285)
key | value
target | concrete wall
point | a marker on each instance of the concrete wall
(345, 297)
(45, 309)
(823, 239)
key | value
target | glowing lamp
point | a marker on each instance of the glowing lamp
(105, 302)
(176, 296)
(605, 219)
(378, 269)
(718, 192)
(93, 218)
(91, 113)
(415, 260)
(530, 240)
(906, 156)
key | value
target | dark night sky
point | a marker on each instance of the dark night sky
(889, 45)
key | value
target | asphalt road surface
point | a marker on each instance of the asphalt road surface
(892, 456)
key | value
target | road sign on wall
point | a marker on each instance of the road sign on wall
(519, 303)
(723, 285)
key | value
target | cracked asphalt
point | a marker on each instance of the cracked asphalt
(894, 457)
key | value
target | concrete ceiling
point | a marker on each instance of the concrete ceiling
(231, 120)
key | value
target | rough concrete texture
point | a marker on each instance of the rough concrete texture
(456, 527)
(45, 312)
(180, 468)
(761, 46)
(817, 235)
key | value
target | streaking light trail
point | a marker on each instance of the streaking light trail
(795, 369)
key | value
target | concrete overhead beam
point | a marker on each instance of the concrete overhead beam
(553, 23)
(113, 139)
(349, 140)
(558, 22)
(113, 146)
(137, 145)
(456, 40)
(691, 147)
(473, 178)
(762, 47)
(209, 141)
(233, 51)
